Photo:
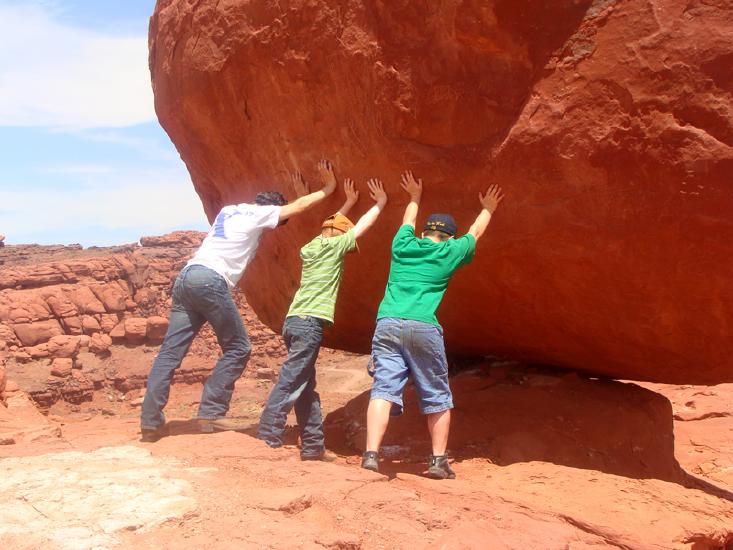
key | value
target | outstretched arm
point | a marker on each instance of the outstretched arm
(352, 196)
(305, 199)
(376, 192)
(490, 202)
(414, 188)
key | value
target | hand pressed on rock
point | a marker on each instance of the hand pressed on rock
(352, 195)
(328, 177)
(376, 191)
(491, 199)
(411, 185)
(300, 186)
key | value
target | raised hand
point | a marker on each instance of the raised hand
(325, 171)
(299, 185)
(491, 199)
(376, 191)
(411, 185)
(352, 195)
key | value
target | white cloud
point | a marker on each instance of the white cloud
(53, 74)
(146, 201)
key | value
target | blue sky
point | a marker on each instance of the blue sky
(82, 156)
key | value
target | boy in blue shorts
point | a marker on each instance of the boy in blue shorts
(409, 339)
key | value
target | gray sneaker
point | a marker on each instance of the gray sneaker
(438, 467)
(370, 461)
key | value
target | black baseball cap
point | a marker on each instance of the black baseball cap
(441, 222)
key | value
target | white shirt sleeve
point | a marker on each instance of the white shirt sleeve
(269, 216)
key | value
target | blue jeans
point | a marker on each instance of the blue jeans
(296, 387)
(199, 295)
(402, 347)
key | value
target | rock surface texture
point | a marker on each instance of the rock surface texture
(539, 478)
(79, 501)
(609, 124)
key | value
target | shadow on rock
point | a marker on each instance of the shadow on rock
(513, 415)
(191, 426)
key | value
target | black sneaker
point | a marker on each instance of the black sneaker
(438, 467)
(151, 435)
(370, 461)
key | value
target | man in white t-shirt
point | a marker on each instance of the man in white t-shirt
(202, 292)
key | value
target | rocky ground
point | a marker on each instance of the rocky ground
(545, 459)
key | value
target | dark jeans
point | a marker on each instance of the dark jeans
(199, 295)
(296, 387)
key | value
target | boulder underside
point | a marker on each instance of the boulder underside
(608, 124)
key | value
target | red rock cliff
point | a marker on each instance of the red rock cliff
(609, 124)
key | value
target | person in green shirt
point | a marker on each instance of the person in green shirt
(408, 339)
(312, 308)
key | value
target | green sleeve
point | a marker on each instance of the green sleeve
(404, 235)
(465, 247)
(347, 242)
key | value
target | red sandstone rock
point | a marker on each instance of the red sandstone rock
(38, 352)
(177, 239)
(72, 325)
(108, 322)
(86, 301)
(21, 356)
(7, 335)
(90, 325)
(63, 346)
(608, 124)
(3, 379)
(118, 333)
(144, 297)
(26, 306)
(61, 305)
(62, 367)
(21, 421)
(135, 330)
(111, 296)
(156, 329)
(31, 334)
(99, 343)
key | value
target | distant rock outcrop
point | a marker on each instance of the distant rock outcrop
(85, 302)
(609, 124)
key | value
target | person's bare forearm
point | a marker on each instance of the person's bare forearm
(368, 219)
(303, 203)
(410, 217)
(490, 202)
(344, 210)
(414, 189)
(479, 226)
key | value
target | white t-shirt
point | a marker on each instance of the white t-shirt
(233, 239)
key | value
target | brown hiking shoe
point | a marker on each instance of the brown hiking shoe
(208, 426)
(325, 456)
(151, 435)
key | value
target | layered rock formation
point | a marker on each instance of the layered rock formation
(71, 319)
(609, 124)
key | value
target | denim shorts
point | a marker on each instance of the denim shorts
(402, 347)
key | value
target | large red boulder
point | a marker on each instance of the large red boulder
(608, 124)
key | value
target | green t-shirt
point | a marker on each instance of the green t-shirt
(323, 262)
(419, 274)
